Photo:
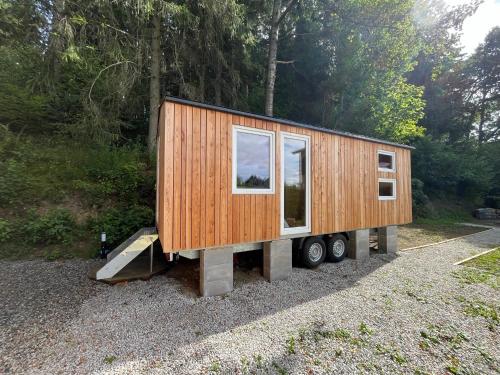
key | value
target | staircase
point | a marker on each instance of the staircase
(127, 252)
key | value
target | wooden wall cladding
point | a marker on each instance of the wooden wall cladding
(196, 207)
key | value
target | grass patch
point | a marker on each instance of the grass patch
(429, 337)
(393, 354)
(110, 359)
(215, 367)
(245, 363)
(419, 371)
(486, 311)
(471, 276)
(398, 358)
(259, 361)
(280, 370)
(456, 368)
(341, 334)
(484, 269)
(442, 335)
(412, 294)
(321, 334)
(316, 334)
(364, 329)
(290, 345)
(489, 262)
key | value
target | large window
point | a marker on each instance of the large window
(386, 189)
(295, 183)
(386, 161)
(253, 161)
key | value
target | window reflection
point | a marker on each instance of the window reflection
(253, 168)
(385, 189)
(294, 183)
(385, 161)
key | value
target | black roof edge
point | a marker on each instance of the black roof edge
(282, 121)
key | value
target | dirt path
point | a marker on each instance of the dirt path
(422, 234)
(402, 314)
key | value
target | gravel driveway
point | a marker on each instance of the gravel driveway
(402, 314)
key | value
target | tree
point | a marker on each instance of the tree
(154, 85)
(153, 13)
(439, 66)
(96, 71)
(21, 29)
(221, 15)
(277, 17)
(350, 61)
(483, 72)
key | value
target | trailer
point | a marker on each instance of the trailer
(230, 181)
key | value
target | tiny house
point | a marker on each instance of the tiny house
(231, 181)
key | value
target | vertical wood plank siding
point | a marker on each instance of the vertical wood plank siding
(196, 207)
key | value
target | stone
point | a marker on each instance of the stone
(277, 260)
(388, 239)
(359, 244)
(216, 271)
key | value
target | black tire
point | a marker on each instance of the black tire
(309, 255)
(336, 248)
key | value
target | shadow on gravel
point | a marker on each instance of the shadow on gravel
(253, 297)
(248, 269)
(162, 317)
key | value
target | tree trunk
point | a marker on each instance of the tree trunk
(271, 58)
(218, 84)
(234, 89)
(55, 40)
(202, 77)
(481, 120)
(154, 83)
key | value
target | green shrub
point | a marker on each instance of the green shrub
(56, 226)
(51, 169)
(420, 200)
(18, 181)
(492, 201)
(5, 230)
(461, 170)
(15, 182)
(113, 172)
(54, 254)
(120, 223)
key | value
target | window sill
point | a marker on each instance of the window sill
(253, 192)
(387, 170)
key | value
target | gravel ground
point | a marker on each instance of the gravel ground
(412, 235)
(407, 313)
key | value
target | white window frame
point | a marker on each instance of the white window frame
(387, 153)
(307, 227)
(272, 157)
(394, 192)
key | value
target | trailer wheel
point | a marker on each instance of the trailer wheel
(313, 252)
(336, 248)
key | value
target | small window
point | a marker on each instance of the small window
(386, 189)
(386, 161)
(253, 161)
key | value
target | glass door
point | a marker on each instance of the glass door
(295, 184)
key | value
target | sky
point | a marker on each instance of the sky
(253, 155)
(476, 27)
